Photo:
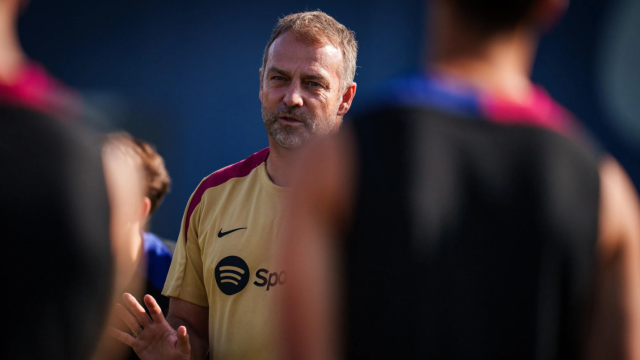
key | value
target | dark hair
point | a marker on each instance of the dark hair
(493, 15)
(156, 177)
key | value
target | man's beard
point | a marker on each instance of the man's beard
(291, 137)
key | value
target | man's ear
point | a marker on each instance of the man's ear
(547, 13)
(260, 92)
(347, 99)
(145, 208)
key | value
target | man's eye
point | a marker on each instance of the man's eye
(278, 78)
(314, 84)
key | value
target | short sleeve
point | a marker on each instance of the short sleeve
(185, 278)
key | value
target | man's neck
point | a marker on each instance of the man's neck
(499, 64)
(12, 58)
(130, 253)
(281, 164)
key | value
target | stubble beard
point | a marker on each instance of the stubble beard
(292, 137)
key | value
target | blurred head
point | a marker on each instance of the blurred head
(156, 179)
(490, 17)
(136, 182)
(306, 79)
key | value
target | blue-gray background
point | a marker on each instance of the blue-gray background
(183, 74)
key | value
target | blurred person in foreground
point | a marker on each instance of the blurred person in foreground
(464, 216)
(224, 278)
(54, 212)
(142, 259)
(152, 257)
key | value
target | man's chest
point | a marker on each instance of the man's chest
(239, 246)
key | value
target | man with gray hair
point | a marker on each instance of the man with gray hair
(224, 279)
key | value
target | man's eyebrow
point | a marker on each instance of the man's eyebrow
(318, 77)
(274, 69)
(314, 77)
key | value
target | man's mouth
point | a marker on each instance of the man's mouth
(290, 120)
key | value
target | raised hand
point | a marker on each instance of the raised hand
(151, 338)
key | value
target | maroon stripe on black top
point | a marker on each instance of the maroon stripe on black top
(34, 88)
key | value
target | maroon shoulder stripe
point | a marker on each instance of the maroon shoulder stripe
(240, 169)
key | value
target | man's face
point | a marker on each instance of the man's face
(300, 90)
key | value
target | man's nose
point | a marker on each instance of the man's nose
(293, 97)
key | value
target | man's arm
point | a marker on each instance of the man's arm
(188, 304)
(196, 319)
(614, 328)
(320, 207)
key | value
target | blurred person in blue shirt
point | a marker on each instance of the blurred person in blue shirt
(142, 258)
(151, 254)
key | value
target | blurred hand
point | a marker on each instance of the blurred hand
(154, 338)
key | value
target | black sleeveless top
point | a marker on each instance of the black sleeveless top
(470, 240)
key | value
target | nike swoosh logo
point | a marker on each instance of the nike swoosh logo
(221, 234)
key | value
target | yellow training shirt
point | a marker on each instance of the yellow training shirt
(225, 258)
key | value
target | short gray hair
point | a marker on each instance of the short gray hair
(317, 27)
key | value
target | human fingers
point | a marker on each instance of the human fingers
(122, 336)
(128, 319)
(154, 309)
(183, 341)
(136, 309)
